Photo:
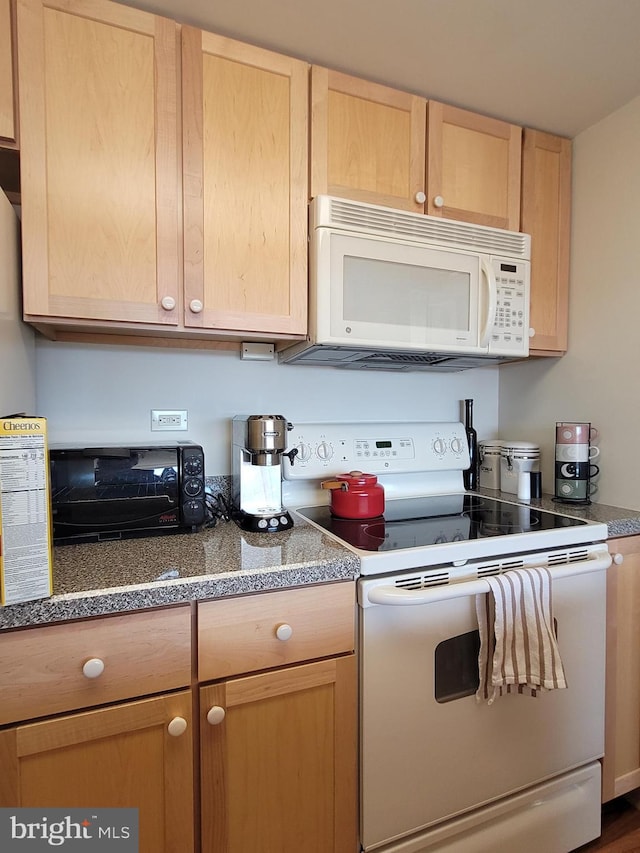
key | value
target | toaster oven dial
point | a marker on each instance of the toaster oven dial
(193, 465)
(192, 488)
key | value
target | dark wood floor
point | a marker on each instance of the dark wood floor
(620, 829)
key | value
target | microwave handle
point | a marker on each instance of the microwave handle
(492, 301)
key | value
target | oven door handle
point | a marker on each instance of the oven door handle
(396, 596)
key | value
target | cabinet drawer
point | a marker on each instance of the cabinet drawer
(142, 653)
(255, 632)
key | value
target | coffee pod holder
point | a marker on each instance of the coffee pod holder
(575, 466)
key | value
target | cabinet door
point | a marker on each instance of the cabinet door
(8, 123)
(621, 763)
(123, 756)
(546, 215)
(473, 170)
(98, 90)
(245, 186)
(279, 761)
(367, 141)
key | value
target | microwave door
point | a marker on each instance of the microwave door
(402, 296)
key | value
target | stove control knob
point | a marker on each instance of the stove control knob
(304, 452)
(324, 451)
(439, 447)
(457, 445)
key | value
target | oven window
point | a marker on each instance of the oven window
(456, 667)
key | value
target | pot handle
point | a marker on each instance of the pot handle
(335, 484)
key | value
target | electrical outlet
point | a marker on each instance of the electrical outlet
(168, 419)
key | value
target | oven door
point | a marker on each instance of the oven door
(429, 749)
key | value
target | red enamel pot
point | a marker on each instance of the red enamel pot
(355, 495)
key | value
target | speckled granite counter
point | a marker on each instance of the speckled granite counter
(115, 577)
(620, 522)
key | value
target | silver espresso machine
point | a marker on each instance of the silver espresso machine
(259, 443)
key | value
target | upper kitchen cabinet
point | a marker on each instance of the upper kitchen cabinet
(546, 215)
(9, 155)
(367, 141)
(245, 140)
(99, 154)
(473, 167)
(374, 144)
(8, 99)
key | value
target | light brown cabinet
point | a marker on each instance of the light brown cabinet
(621, 763)
(98, 94)
(546, 215)
(367, 141)
(135, 754)
(8, 95)
(473, 171)
(374, 144)
(120, 757)
(279, 746)
(245, 186)
(274, 760)
(279, 770)
(102, 191)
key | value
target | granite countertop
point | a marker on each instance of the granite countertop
(117, 577)
(620, 522)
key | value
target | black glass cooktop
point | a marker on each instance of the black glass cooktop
(417, 522)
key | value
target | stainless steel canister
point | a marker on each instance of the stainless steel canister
(517, 457)
(490, 453)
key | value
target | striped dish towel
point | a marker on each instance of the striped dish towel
(518, 647)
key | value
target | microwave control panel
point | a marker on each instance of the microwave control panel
(511, 325)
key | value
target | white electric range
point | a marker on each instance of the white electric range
(440, 771)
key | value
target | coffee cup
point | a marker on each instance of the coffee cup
(575, 433)
(576, 452)
(576, 470)
(574, 490)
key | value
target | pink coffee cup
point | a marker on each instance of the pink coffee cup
(573, 433)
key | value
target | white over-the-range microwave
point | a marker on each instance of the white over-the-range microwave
(390, 289)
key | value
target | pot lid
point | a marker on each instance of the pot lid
(357, 478)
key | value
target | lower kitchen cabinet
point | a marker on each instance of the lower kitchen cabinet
(278, 753)
(138, 753)
(98, 713)
(621, 763)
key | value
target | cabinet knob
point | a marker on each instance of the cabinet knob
(617, 559)
(420, 197)
(216, 715)
(93, 668)
(177, 726)
(168, 303)
(196, 306)
(438, 201)
(532, 333)
(284, 631)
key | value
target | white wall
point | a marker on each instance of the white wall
(599, 379)
(17, 348)
(100, 393)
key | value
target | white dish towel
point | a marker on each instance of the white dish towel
(518, 647)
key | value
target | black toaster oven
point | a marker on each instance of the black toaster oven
(116, 492)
